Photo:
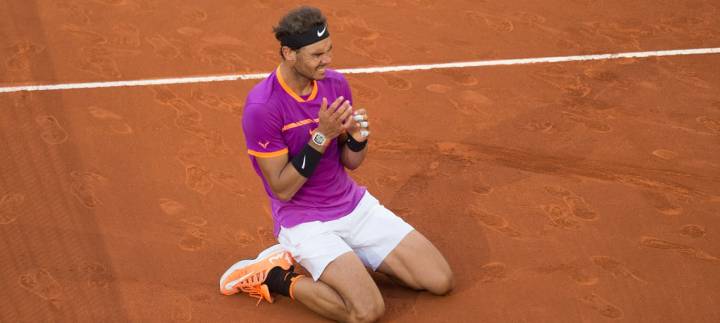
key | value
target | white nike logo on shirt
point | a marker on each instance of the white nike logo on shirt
(303, 165)
(322, 32)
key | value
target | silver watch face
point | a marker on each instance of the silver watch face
(318, 139)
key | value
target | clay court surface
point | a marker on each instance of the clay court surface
(563, 192)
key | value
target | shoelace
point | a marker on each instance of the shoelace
(254, 292)
(252, 284)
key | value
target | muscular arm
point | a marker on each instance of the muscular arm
(350, 159)
(281, 175)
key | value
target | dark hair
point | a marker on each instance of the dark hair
(298, 21)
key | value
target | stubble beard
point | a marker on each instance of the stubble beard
(310, 76)
(303, 74)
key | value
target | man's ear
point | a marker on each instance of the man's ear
(288, 53)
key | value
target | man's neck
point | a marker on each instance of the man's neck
(301, 85)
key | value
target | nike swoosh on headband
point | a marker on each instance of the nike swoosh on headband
(322, 32)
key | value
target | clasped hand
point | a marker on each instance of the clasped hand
(335, 120)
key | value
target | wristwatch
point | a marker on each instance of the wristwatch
(318, 138)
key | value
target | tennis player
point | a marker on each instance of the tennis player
(302, 133)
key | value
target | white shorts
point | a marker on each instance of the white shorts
(370, 230)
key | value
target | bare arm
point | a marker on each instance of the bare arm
(350, 159)
(281, 175)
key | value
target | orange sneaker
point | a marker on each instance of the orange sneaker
(249, 275)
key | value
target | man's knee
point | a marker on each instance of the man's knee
(441, 283)
(368, 312)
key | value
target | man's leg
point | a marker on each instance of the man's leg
(387, 244)
(419, 265)
(345, 292)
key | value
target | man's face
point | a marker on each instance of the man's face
(312, 59)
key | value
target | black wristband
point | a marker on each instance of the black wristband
(306, 161)
(355, 145)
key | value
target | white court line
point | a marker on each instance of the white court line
(236, 77)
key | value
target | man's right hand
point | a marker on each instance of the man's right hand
(332, 117)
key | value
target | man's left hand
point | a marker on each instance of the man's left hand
(358, 126)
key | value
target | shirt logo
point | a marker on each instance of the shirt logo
(322, 32)
(303, 165)
(264, 144)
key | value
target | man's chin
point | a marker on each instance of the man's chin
(319, 75)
